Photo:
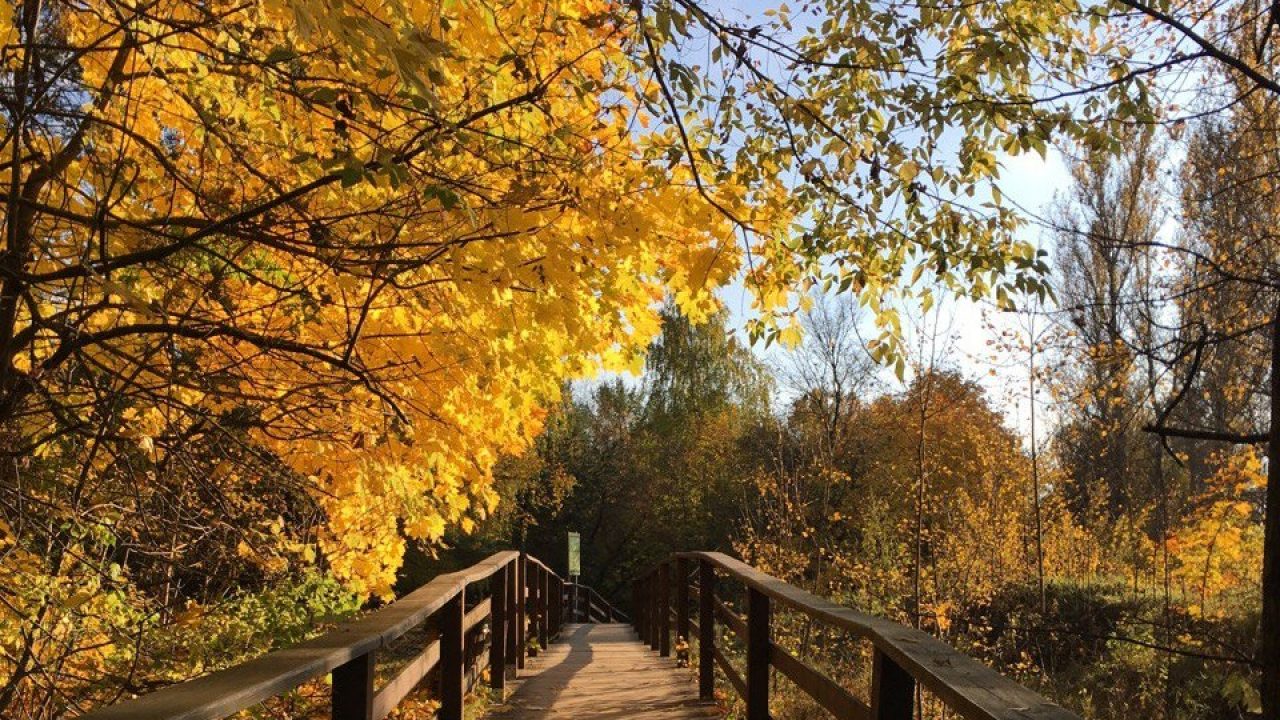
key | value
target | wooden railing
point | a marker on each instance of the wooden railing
(587, 605)
(902, 657)
(508, 593)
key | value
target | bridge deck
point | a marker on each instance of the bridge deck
(603, 672)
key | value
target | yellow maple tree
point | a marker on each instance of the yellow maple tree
(377, 234)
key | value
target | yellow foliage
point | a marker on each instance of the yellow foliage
(1215, 551)
(391, 229)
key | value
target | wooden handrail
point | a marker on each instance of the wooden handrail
(902, 656)
(592, 600)
(518, 585)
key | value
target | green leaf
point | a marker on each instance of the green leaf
(351, 175)
(279, 54)
(447, 198)
(324, 95)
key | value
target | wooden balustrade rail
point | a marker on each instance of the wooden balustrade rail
(517, 609)
(902, 657)
(587, 605)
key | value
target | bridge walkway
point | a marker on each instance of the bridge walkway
(602, 672)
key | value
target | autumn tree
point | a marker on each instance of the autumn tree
(639, 468)
(849, 530)
(1121, 308)
(329, 260)
(1103, 231)
(1228, 331)
(831, 370)
(1190, 315)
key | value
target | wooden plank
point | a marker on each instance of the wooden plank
(730, 672)
(543, 567)
(412, 673)
(735, 621)
(664, 609)
(498, 595)
(832, 697)
(655, 623)
(614, 614)
(758, 644)
(637, 603)
(601, 672)
(352, 694)
(970, 688)
(893, 690)
(682, 598)
(219, 694)
(522, 610)
(588, 597)
(534, 581)
(541, 581)
(513, 614)
(601, 615)
(706, 630)
(549, 596)
(405, 681)
(474, 673)
(557, 605)
(477, 614)
(453, 660)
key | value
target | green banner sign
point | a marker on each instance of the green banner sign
(575, 554)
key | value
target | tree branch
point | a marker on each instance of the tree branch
(1211, 435)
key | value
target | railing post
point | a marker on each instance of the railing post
(544, 595)
(892, 689)
(655, 623)
(637, 609)
(664, 609)
(513, 576)
(531, 587)
(706, 630)
(498, 629)
(682, 598)
(557, 607)
(522, 604)
(757, 655)
(544, 582)
(452, 657)
(353, 689)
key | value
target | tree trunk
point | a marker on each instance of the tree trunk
(1269, 641)
(1035, 465)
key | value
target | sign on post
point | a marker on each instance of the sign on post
(575, 554)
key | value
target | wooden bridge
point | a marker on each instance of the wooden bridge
(547, 648)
